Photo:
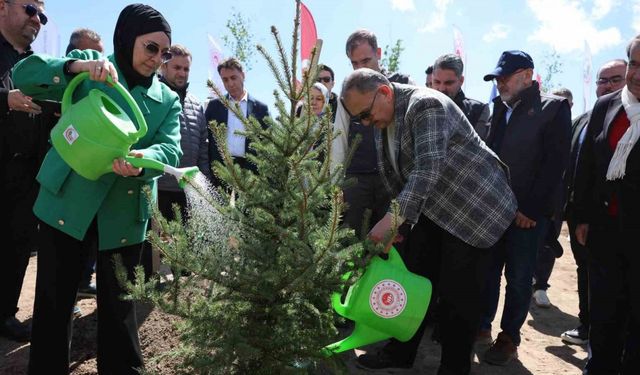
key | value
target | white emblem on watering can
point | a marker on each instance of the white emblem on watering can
(388, 299)
(70, 134)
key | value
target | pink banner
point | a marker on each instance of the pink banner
(586, 77)
(458, 43)
(215, 56)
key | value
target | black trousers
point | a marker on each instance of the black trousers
(614, 299)
(581, 256)
(368, 192)
(457, 271)
(17, 195)
(61, 260)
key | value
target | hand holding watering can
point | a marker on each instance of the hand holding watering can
(384, 228)
(100, 71)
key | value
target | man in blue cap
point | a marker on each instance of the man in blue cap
(530, 132)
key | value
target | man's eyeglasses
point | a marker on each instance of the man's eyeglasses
(324, 79)
(362, 116)
(612, 80)
(152, 50)
(31, 10)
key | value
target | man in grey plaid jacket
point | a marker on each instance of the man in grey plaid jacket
(453, 193)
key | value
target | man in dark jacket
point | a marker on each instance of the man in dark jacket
(448, 79)
(607, 202)
(193, 129)
(232, 75)
(610, 79)
(530, 132)
(368, 192)
(22, 146)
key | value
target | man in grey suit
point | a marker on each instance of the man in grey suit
(453, 192)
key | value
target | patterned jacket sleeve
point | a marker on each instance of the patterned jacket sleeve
(427, 120)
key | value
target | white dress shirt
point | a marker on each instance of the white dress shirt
(236, 142)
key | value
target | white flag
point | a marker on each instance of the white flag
(458, 48)
(215, 56)
(586, 77)
(48, 40)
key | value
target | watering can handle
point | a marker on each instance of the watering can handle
(396, 259)
(68, 93)
(336, 302)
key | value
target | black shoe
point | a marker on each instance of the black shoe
(89, 291)
(15, 330)
(382, 360)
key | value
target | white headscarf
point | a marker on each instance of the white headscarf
(618, 163)
(323, 89)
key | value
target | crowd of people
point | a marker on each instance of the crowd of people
(482, 188)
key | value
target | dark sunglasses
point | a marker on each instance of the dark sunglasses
(362, 116)
(31, 11)
(324, 79)
(152, 49)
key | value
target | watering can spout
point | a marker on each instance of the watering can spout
(183, 175)
(362, 335)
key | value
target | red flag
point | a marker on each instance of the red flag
(308, 34)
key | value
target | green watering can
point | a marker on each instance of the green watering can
(94, 131)
(387, 301)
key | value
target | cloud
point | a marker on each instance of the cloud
(436, 17)
(565, 25)
(498, 31)
(601, 8)
(636, 16)
(403, 5)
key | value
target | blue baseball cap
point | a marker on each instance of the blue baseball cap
(509, 62)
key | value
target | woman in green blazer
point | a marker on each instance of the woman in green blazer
(112, 211)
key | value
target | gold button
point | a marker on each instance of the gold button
(124, 240)
(56, 79)
(130, 192)
(61, 222)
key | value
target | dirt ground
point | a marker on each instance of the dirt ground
(541, 351)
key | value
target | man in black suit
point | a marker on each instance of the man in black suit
(25, 128)
(610, 79)
(232, 74)
(607, 202)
